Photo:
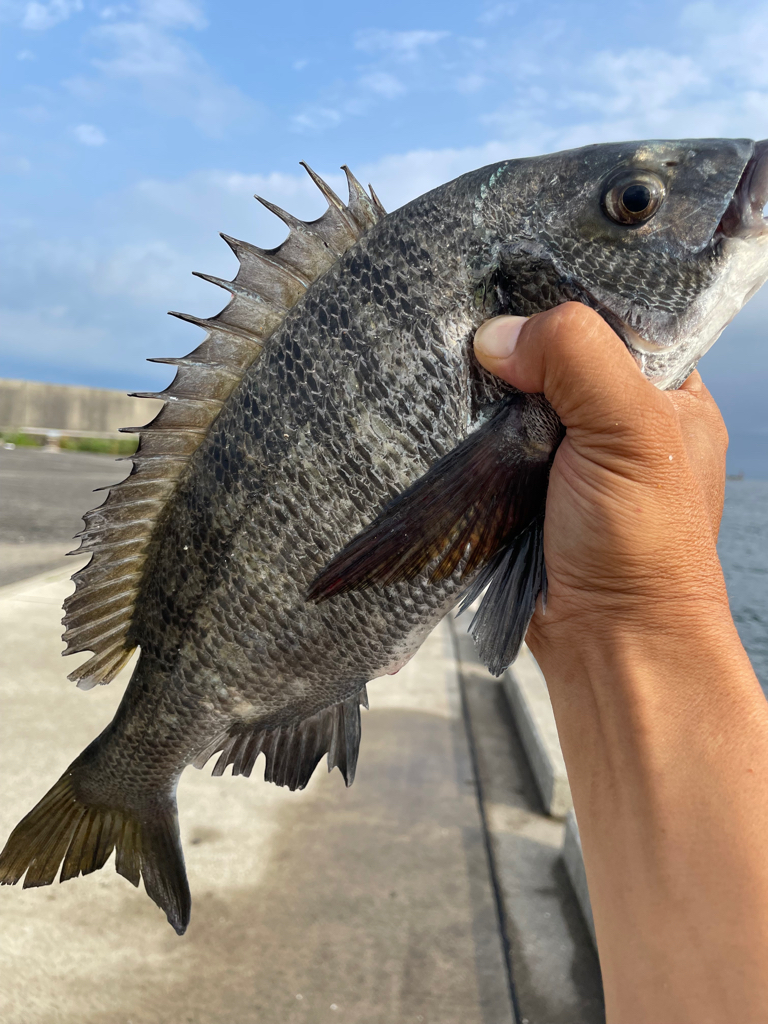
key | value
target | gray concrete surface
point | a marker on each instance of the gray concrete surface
(43, 497)
(528, 698)
(554, 967)
(26, 403)
(371, 905)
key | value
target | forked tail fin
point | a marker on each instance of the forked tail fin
(70, 829)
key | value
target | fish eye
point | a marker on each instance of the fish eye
(633, 196)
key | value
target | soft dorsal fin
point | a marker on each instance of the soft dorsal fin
(120, 532)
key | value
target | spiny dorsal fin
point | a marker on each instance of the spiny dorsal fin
(121, 532)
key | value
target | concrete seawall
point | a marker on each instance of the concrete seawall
(28, 405)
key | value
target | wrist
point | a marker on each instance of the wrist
(608, 637)
(630, 696)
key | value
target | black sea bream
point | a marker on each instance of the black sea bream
(332, 471)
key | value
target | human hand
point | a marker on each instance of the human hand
(663, 725)
(636, 490)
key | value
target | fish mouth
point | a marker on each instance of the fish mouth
(744, 219)
(745, 214)
(635, 342)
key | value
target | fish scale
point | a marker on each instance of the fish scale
(333, 471)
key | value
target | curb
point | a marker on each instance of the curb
(528, 698)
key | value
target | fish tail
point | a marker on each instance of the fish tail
(76, 828)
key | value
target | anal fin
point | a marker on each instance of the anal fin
(293, 752)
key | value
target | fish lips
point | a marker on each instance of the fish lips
(745, 215)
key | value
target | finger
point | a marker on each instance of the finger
(693, 384)
(583, 368)
(706, 442)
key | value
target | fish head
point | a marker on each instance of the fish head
(666, 239)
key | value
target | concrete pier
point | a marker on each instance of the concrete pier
(433, 890)
(370, 904)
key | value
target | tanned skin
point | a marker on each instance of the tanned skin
(663, 724)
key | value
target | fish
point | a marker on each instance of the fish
(332, 471)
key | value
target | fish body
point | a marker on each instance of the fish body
(357, 454)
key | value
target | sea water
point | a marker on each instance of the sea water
(743, 548)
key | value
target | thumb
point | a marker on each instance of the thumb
(582, 367)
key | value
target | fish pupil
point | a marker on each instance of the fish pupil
(636, 198)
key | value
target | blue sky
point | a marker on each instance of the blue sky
(134, 132)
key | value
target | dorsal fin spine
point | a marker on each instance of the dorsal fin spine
(233, 287)
(211, 324)
(360, 205)
(167, 361)
(87, 629)
(287, 218)
(325, 188)
(90, 530)
(267, 284)
(377, 202)
(269, 257)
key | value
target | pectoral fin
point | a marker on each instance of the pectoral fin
(514, 578)
(474, 508)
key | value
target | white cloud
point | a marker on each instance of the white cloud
(41, 16)
(469, 84)
(173, 75)
(115, 11)
(708, 77)
(656, 76)
(316, 119)
(141, 51)
(497, 12)
(90, 135)
(711, 80)
(403, 45)
(37, 113)
(383, 84)
(173, 13)
(396, 57)
(14, 164)
(25, 55)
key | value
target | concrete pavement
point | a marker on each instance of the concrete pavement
(372, 905)
(424, 893)
(44, 496)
